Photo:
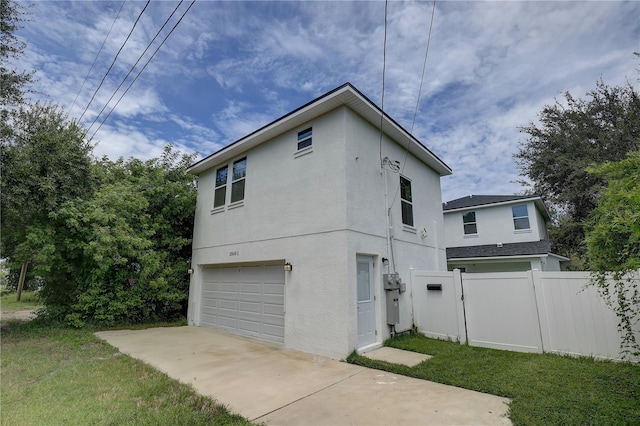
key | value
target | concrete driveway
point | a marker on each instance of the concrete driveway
(266, 383)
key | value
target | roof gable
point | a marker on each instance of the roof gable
(346, 95)
(482, 201)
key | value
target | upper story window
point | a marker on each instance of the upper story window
(406, 201)
(520, 217)
(469, 223)
(236, 180)
(304, 138)
(220, 194)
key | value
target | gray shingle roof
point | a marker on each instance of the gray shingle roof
(479, 200)
(507, 249)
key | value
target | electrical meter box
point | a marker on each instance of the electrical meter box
(393, 307)
(391, 281)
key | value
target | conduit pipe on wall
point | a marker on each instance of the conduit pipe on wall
(387, 214)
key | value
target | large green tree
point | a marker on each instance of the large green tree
(122, 255)
(571, 135)
(14, 84)
(613, 244)
(45, 161)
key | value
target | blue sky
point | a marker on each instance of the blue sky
(231, 67)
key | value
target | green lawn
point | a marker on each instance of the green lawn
(545, 389)
(64, 376)
(28, 301)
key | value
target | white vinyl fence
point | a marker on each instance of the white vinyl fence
(530, 311)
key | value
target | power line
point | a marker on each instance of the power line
(424, 66)
(114, 59)
(384, 68)
(134, 65)
(143, 68)
(97, 54)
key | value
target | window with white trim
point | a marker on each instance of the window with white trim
(220, 193)
(469, 223)
(406, 201)
(304, 138)
(237, 179)
(520, 217)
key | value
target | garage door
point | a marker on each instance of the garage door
(246, 300)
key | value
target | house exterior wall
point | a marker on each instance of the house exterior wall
(283, 194)
(505, 265)
(495, 225)
(543, 233)
(552, 264)
(367, 222)
(319, 211)
(546, 262)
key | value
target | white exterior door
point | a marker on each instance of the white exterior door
(246, 300)
(366, 305)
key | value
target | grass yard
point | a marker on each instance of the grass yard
(64, 376)
(28, 301)
(545, 389)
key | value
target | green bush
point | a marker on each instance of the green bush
(122, 255)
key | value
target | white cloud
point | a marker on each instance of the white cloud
(126, 141)
(232, 67)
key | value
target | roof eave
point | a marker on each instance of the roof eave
(343, 95)
(512, 256)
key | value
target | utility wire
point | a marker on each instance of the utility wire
(114, 59)
(134, 65)
(143, 68)
(384, 68)
(97, 54)
(424, 67)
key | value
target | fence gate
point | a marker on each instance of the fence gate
(501, 311)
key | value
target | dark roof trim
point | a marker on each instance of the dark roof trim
(481, 200)
(541, 247)
(345, 94)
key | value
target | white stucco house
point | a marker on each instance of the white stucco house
(292, 237)
(499, 233)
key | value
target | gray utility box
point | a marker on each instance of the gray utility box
(391, 281)
(393, 308)
(392, 284)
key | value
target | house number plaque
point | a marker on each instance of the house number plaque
(234, 253)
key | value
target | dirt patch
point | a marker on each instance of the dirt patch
(25, 315)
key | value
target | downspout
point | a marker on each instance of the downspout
(387, 212)
(385, 161)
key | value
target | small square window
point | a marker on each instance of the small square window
(304, 138)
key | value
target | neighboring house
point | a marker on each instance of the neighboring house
(291, 232)
(499, 233)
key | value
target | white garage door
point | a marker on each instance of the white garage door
(246, 300)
